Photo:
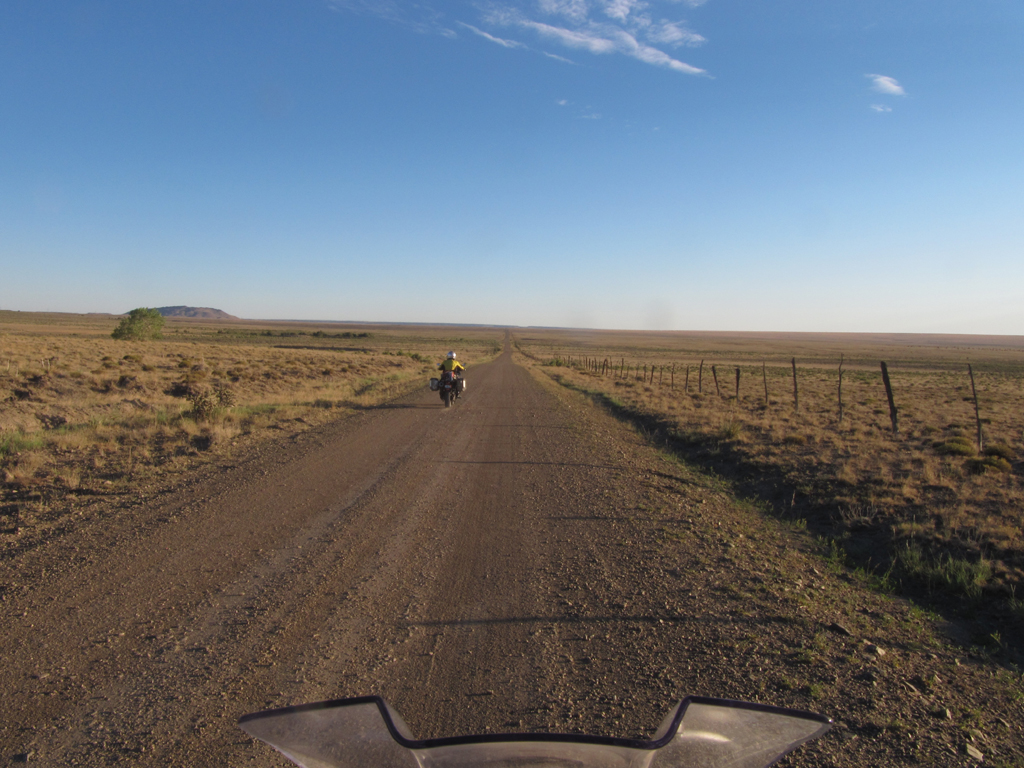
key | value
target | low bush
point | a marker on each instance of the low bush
(981, 466)
(141, 324)
(17, 442)
(731, 430)
(956, 446)
(952, 574)
(1000, 450)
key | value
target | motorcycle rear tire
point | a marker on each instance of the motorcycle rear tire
(447, 400)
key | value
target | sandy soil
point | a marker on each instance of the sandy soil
(521, 562)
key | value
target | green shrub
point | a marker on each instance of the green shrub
(141, 324)
(17, 442)
(204, 404)
(956, 446)
(731, 430)
(981, 466)
(225, 397)
(1001, 450)
(952, 574)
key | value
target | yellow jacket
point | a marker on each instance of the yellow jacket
(451, 365)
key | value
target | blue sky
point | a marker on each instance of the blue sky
(851, 165)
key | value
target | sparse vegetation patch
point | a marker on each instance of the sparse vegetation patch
(82, 417)
(931, 503)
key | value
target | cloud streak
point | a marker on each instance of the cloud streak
(486, 36)
(887, 85)
(556, 57)
(599, 27)
(624, 30)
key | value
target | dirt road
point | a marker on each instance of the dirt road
(518, 562)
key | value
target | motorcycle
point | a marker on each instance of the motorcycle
(699, 731)
(450, 386)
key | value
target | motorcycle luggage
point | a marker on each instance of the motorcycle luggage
(435, 384)
(462, 385)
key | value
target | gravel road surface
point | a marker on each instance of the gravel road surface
(520, 562)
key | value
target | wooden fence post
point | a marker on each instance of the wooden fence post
(737, 383)
(840, 388)
(892, 403)
(764, 376)
(661, 375)
(714, 373)
(652, 373)
(977, 414)
(700, 378)
(622, 367)
(686, 383)
(796, 396)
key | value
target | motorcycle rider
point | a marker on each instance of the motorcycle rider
(450, 364)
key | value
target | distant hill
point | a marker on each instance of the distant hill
(205, 313)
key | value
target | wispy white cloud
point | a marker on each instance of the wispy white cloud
(600, 38)
(556, 57)
(621, 9)
(887, 85)
(600, 27)
(492, 38)
(881, 108)
(630, 46)
(576, 10)
(571, 38)
(674, 33)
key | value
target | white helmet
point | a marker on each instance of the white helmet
(451, 355)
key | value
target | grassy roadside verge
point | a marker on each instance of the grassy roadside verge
(877, 544)
(903, 685)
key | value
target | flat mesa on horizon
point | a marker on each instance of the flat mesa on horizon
(206, 313)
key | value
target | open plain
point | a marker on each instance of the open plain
(535, 559)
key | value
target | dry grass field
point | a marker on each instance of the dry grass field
(922, 511)
(83, 415)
